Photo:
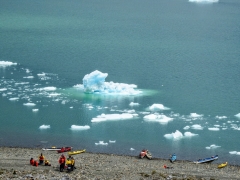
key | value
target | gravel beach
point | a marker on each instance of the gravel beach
(14, 164)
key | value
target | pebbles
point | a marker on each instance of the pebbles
(14, 164)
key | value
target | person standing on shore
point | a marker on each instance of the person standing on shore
(62, 162)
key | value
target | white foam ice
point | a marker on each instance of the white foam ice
(112, 141)
(197, 127)
(157, 118)
(214, 129)
(54, 94)
(95, 83)
(44, 126)
(238, 115)
(76, 127)
(133, 104)
(29, 104)
(132, 149)
(35, 110)
(186, 127)
(204, 1)
(113, 117)
(213, 146)
(6, 63)
(158, 107)
(101, 143)
(51, 88)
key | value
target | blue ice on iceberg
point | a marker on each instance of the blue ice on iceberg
(95, 83)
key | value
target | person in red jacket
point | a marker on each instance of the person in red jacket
(32, 161)
(61, 161)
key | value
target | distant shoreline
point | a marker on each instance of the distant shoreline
(14, 162)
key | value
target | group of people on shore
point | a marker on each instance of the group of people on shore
(41, 161)
(69, 162)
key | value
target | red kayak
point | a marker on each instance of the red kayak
(64, 149)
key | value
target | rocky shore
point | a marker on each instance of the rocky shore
(14, 164)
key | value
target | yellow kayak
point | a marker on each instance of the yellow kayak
(76, 152)
(222, 165)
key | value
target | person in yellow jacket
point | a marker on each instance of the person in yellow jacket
(41, 159)
(71, 162)
(47, 163)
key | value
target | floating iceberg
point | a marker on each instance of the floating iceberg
(29, 104)
(158, 107)
(110, 141)
(75, 127)
(112, 117)
(6, 63)
(204, 1)
(213, 146)
(157, 118)
(101, 143)
(238, 115)
(95, 83)
(44, 126)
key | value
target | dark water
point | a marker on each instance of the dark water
(185, 54)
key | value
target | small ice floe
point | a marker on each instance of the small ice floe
(214, 129)
(133, 104)
(48, 88)
(186, 127)
(34, 110)
(232, 152)
(204, 1)
(71, 107)
(158, 107)
(4, 64)
(29, 77)
(238, 115)
(75, 127)
(195, 116)
(221, 117)
(29, 104)
(13, 99)
(189, 134)
(132, 149)
(157, 118)
(178, 135)
(197, 127)
(44, 126)
(113, 117)
(110, 141)
(3, 89)
(101, 143)
(213, 146)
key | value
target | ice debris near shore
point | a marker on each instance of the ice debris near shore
(95, 83)
(101, 143)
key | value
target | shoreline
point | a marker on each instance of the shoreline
(14, 164)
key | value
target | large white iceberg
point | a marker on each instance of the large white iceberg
(95, 83)
(6, 63)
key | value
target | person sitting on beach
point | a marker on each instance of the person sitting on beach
(32, 161)
(47, 163)
(41, 159)
(62, 162)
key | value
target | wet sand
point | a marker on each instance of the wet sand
(14, 164)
